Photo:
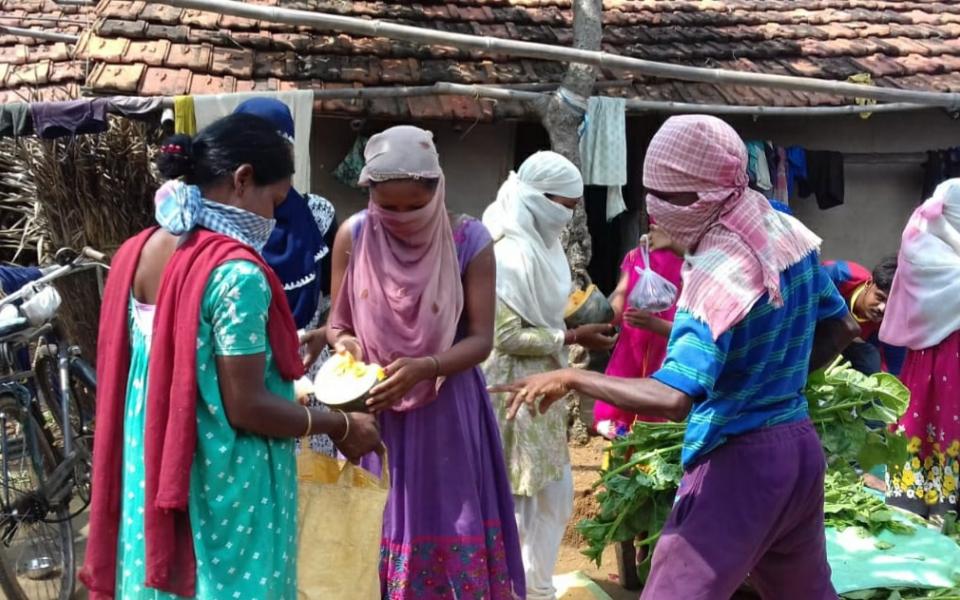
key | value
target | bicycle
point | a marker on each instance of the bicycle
(46, 425)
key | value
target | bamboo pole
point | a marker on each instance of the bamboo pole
(376, 28)
(632, 105)
(49, 36)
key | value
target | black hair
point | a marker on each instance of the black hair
(223, 147)
(883, 274)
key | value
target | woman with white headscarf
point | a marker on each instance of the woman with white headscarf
(533, 283)
(923, 315)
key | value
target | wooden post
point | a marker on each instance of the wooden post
(562, 120)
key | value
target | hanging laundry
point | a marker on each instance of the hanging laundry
(796, 166)
(167, 120)
(757, 167)
(75, 117)
(940, 166)
(300, 102)
(15, 120)
(603, 150)
(770, 151)
(136, 107)
(184, 116)
(824, 178)
(781, 186)
(348, 171)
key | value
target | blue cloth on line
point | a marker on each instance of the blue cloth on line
(796, 166)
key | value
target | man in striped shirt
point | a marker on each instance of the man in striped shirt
(756, 314)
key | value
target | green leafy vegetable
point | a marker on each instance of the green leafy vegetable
(851, 412)
(847, 504)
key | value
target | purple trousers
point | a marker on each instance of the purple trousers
(752, 507)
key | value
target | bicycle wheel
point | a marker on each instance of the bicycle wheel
(36, 550)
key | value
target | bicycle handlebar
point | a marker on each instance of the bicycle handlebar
(93, 255)
(87, 259)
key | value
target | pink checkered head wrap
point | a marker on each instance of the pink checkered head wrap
(738, 244)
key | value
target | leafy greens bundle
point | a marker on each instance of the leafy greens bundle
(851, 412)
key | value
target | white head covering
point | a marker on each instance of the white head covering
(924, 304)
(533, 275)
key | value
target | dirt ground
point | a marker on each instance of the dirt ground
(585, 461)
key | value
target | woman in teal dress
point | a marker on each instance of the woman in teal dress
(242, 503)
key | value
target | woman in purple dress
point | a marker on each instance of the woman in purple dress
(414, 291)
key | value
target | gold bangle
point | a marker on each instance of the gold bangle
(346, 432)
(309, 422)
(436, 366)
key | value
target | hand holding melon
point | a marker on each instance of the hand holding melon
(402, 375)
(363, 437)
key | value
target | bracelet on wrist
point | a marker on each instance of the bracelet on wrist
(309, 422)
(346, 430)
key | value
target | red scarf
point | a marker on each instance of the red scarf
(170, 433)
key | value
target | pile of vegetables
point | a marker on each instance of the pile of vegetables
(847, 504)
(852, 413)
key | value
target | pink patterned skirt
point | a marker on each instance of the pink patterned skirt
(927, 483)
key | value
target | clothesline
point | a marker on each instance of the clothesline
(633, 105)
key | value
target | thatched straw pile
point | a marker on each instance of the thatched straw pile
(93, 190)
(20, 226)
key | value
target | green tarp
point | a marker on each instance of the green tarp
(925, 559)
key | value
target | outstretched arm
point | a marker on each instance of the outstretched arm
(643, 396)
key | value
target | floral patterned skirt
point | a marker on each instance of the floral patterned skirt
(927, 483)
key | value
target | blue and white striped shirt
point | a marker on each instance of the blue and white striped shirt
(752, 376)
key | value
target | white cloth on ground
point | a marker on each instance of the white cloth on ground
(209, 108)
(923, 308)
(541, 522)
(603, 149)
(533, 274)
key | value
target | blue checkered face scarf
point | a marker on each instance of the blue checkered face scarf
(179, 208)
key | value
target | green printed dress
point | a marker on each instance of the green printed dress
(243, 487)
(534, 447)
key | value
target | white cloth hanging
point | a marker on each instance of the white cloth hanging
(533, 275)
(209, 108)
(603, 149)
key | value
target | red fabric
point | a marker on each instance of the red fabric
(170, 430)
(854, 277)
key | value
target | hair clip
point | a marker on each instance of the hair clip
(171, 149)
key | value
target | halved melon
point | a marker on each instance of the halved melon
(575, 301)
(344, 382)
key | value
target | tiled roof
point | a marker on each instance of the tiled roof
(32, 69)
(151, 49)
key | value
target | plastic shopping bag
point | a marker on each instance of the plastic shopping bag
(339, 526)
(652, 292)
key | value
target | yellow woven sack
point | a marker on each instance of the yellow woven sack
(339, 525)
